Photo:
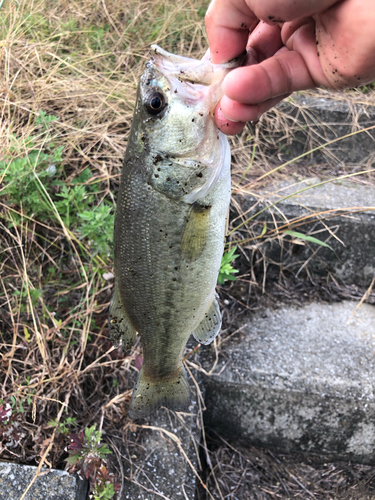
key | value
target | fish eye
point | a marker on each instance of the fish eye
(155, 103)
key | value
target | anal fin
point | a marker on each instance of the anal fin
(120, 326)
(210, 325)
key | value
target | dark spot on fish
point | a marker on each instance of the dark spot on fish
(168, 179)
(175, 91)
(199, 174)
(271, 17)
(192, 120)
(157, 159)
(171, 164)
(200, 114)
(156, 175)
(174, 279)
(159, 169)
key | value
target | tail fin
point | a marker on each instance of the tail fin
(149, 395)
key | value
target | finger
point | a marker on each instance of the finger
(281, 74)
(299, 36)
(228, 127)
(280, 11)
(228, 21)
(234, 111)
(265, 40)
(227, 25)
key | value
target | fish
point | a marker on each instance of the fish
(170, 224)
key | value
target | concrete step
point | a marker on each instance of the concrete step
(340, 214)
(161, 463)
(50, 484)
(308, 120)
(299, 380)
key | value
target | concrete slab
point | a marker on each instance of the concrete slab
(339, 214)
(314, 119)
(159, 466)
(316, 193)
(299, 380)
(51, 485)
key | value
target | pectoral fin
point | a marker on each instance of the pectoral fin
(210, 325)
(120, 326)
(194, 237)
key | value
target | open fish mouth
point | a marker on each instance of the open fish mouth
(203, 73)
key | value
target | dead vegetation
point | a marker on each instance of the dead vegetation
(255, 474)
(68, 76)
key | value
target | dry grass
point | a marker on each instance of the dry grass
(255, 474)
(80, 61)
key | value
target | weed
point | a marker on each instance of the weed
(306, 237)
(226, 270)
(63, 427)
(33, 180)
(88, 459)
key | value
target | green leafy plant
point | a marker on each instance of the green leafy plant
(33, 181)
(88, 459)
(63, 427)
(226, 269)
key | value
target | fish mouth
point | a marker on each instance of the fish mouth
(195, 71)
(193, 79)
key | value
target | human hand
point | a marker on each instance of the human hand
(296, 45)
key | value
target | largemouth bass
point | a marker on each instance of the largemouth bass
(170, 224)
